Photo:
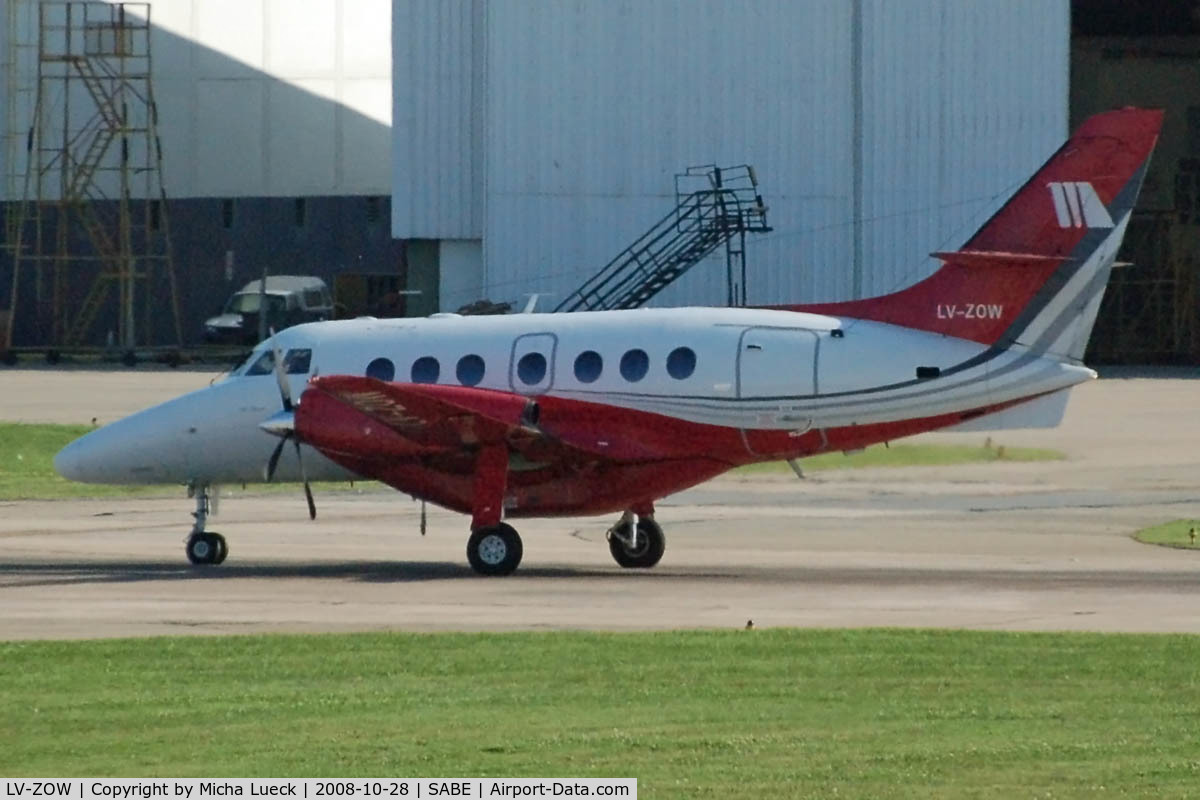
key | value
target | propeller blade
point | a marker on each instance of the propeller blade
(312, 507)
(285, 390)
(273, 462)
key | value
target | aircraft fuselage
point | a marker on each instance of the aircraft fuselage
(733, 385)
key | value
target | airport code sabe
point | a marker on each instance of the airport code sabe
(196, 788)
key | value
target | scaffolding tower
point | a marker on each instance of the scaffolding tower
(91, 218)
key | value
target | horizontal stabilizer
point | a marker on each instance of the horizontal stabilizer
(1041, 412)
(990, 258)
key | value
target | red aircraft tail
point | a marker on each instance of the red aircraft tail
(1035, 272)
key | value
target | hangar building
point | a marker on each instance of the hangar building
(516, 146)
(533, 141)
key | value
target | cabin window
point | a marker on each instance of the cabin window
(588, 366)
(531, 369)
(426, 370)
(381, 369)
(469, 370)
(634, 365)
(681, 363)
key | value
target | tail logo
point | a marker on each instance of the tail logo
(1077, 204)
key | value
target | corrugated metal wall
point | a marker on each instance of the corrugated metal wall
(437, 110)
(961, 102)
(912, 118)
(593, 106)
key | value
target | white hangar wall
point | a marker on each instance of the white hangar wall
(256, 98)
(543, 137)
(961, 103)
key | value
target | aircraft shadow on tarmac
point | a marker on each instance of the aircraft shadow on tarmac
(68, 573)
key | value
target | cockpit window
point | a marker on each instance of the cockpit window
(264, 365)
(295, 362)
(244, 364)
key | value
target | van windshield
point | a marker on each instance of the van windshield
(248, 303)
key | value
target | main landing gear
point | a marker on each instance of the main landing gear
(494, 549)
(204, 547)
(636, 542)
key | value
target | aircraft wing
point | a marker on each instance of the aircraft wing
(363, 417)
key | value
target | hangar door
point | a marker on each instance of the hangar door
(777, 362)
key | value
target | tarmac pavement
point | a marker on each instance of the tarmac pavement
(1037, 546)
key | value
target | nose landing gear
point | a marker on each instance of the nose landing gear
(204, 547)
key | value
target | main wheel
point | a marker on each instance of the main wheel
(494, 550)
(205, 548)
(645, 551)
(222, 549)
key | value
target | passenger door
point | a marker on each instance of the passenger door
(531, 367)
(776, 362)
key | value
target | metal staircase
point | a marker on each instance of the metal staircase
(714, 206)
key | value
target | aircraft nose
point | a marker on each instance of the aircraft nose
(143, 448)
(88, 459)
(68, 462)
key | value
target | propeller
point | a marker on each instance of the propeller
(283, 425)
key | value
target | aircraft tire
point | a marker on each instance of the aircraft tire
(222, 549)
(652, 546)
(494, 550)
(204, 548)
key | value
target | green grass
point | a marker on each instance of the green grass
(1183, 533)
(27, 464)
(27, 469)
(765, 713)
(913, 455)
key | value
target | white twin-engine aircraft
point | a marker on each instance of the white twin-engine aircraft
(529, 415)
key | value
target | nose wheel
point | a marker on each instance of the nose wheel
(494, 549)
(206, 548)
(636, 542)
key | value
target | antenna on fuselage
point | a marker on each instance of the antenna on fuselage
(532, 302)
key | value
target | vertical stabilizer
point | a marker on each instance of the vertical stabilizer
(1034, 274)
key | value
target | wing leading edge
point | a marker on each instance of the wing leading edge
(402, 419)
(564, 456)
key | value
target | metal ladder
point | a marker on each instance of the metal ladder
(723, 210)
